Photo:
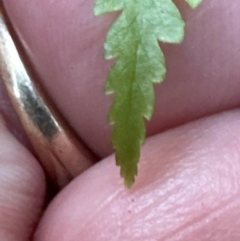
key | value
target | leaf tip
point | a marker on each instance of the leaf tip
(97, 11)
(129, 181)
(194, 3)
(129, 176)
(128, 184)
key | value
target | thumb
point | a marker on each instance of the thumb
(187, 189)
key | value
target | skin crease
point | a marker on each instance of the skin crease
(188, 186)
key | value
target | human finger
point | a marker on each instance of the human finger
(65, 43)
(22, 189)
(188, 189)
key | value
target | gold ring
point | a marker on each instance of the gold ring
(61, 153)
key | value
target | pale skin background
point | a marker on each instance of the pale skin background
(188, 186)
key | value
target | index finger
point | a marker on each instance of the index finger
(65, 42)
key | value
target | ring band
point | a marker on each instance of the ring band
(60, 152)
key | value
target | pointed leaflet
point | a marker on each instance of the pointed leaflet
(193, 3)
(133, 40)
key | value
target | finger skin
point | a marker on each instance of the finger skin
(188, 189)
(22, 189)
(65, 43)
